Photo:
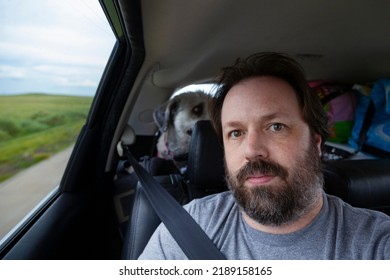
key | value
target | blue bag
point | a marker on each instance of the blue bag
(371, 131)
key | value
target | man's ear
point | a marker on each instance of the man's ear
(318, 142)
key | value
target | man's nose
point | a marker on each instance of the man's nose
(256, 145)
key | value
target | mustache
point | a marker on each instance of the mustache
(263, 167)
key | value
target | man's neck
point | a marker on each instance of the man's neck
(290, 227)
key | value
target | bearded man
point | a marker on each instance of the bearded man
(272, 128)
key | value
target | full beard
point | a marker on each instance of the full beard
(280, 203)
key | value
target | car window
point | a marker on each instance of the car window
(52, 56)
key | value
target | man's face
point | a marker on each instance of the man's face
(271, 158)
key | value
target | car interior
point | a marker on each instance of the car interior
(100, 210)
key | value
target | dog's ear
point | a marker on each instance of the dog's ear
(165, 114)
(159, 117)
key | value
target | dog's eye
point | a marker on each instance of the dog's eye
(198, 110)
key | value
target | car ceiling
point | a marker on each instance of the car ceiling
(191, 40)
(188, 41)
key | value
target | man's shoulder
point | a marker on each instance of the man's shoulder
(352, 212)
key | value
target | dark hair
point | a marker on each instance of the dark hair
(275, 65)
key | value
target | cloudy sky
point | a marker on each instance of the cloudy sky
(53, 46)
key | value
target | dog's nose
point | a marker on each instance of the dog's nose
(189, 132)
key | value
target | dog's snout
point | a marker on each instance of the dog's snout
(189, 132)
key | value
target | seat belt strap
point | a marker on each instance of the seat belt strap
(191, 238)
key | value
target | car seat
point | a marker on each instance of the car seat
(205, 172)
(204, 176)
(362, 183)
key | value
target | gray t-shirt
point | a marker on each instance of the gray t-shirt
(340, 231)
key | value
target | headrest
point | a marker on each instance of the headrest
(205, 170)
(361, 183)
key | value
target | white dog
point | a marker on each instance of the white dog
(175, 120)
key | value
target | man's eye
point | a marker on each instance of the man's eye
(277, 127)
(235, 134)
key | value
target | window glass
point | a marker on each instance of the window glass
(52, 56)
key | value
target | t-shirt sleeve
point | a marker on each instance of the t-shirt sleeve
(162, 246)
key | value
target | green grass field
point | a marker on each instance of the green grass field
(35, 126)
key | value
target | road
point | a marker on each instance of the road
(19, 194)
